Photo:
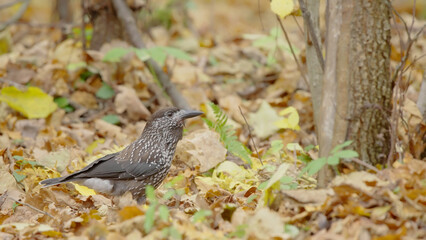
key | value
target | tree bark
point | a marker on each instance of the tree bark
(357, 88)
(336, 76)
(106, 26)
(315, 71)
(370, 81)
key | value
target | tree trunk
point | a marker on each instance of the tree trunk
(106, 26)
(357, 89)
(370, 82)
(315, 71)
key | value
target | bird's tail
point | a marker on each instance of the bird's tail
(53, 181)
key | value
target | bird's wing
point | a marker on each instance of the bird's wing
(141, 168)
(111, 167)
(104, 167)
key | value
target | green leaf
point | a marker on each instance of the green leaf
(77, 65)
(68, 109)
(32, 103)
(174, 233)
(18, 177)
(169, 194)
(105, 92)
(276, 147)
(14, 205)
(292, 230)
(150, 194)
(111, 118)
(142, 54)
(179, 54)
(85, 75)
(149, 218)
(286, 179)
(240, 232)
(314, 166)
(263, 185)
(164, 213)
(17, 157)
(281, 171)
(251, 198)
(158, 54)
(346, 154)
(115, 54)
(309, 148)
(333, 160)
(341, 146)
(61, 102)
(304, 158)
(201, 215)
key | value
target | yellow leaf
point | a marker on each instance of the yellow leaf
(291, 122)
(282, 7)
(83, 190)
(231, 177)
(262, 121)
(33, 103)
(93, 145)
(129, 212)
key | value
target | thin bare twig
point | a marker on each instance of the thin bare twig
(250, 136)
(307, 17)
(32, 207)
(17, 16)
(292, 51)
(397, 77)
(298, 25)
(10, 4)
(83, 27)
(126, 19)
(369, 166)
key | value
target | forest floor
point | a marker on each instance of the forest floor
(62, 107)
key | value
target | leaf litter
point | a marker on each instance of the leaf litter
(210, 192)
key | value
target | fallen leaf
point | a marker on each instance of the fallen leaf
(32, 103)
(58, 160)
(84, 99)
(83, 190)
(128, 101)
(266, 224)
(201, 148)
(290, 122)
(263, 121)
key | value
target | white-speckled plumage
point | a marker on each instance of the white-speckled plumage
(144, 162)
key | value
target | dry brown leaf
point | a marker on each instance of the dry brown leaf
(201, 148)
(58, 160)
(362, 181)
(84, 99)
(128, 101)
(266, 224)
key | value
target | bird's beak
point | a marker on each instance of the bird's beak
(190, 114)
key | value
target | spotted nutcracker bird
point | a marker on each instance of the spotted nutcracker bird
(144, 162)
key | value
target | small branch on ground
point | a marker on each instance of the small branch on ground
(10, 4)
(125, 16)
(251, 136)
(360, 162)
(32, 207)
(17, 16)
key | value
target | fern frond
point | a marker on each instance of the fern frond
(227, 134)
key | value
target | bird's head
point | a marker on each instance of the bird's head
(171, 118)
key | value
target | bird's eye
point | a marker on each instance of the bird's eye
(169, 114)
